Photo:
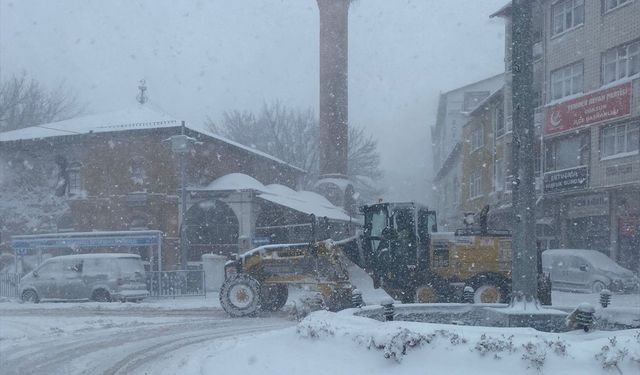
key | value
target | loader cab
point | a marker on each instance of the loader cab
(397, 233)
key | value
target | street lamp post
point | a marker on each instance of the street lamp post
(180, 144)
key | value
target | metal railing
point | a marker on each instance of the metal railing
(9, 285)
(163, 284)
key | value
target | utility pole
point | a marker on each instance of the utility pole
(524, 264)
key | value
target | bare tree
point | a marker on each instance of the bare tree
(364, 164)
(292, 135)
(25, 102)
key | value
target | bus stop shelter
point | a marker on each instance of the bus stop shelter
(38, 246)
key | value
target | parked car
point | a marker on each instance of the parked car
(95, 277)
(587, 270)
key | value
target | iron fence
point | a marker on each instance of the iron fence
(9, 285)
(163, 284)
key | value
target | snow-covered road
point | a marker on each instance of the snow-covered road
(53, 341)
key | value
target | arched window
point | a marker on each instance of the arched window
(211, 227)
(74, 179)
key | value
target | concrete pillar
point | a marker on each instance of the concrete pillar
(213, 266)
(245, 207)
(334, 17)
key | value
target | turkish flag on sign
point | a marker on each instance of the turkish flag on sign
(588, 109)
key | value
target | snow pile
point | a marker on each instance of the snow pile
(328, 343)
(519, 348)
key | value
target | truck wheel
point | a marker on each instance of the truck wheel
(426, 294)
(490, 289)
(240, 295)
(339, 299)
(434, 289)
(273, 297)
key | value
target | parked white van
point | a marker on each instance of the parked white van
(95, 277)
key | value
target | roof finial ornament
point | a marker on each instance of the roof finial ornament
(142, 96)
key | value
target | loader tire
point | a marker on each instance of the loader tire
(491, 288)
(434, 289)
(340, 299)
(273, 297)
(240, 295)
(426, 294)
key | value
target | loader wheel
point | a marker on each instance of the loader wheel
(490, 289)
(426, 294)
(434, 289)
(240, 295)
(339, 299)
(273, 297)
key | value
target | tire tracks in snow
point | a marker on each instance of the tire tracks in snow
(124, 350)
(135, 360)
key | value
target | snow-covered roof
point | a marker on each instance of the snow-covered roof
(135, 118)
(503, 11)
(303, 201)
(97, 256)
(485, 101)
(342, 183)
(235, 182)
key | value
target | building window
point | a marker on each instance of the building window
(619, 140)
(65, 223)
(139, 222)
(567, 14)
(608, 5)
(566, 81)
(136, 171)
(473, 98)
(498, 176)
(455, 191)
(475, 184)
(74, 181)
(567, 152)
(477, 138)
(621, 62)
(498, 120)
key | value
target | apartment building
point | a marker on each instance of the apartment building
(454, 109)
(587, 85)
(481, 160)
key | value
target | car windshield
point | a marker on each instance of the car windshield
(322, 186)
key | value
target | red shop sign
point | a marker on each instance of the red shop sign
(588, 109)
(628, 226)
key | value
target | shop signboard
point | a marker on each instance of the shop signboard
(587, 205)
(592, 108)
(566, 180)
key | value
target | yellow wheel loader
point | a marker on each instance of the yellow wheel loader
(259, 279)
(406, 256)
(401, 249)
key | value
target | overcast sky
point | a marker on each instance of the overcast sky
(200, 58)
